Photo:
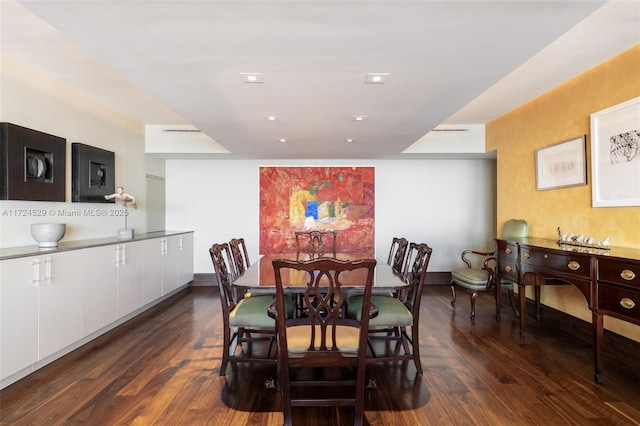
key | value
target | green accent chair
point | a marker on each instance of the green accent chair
(482, 278)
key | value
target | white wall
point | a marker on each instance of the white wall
(29, 99)
(449, 204)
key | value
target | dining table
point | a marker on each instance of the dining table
(260, 276)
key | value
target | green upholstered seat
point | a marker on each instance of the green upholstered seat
(477, 279)
(244, 319)
(252, 312)
(391, 311)
(397, 312)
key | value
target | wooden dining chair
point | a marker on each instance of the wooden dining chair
(246, 322)
(324, 340)
(240, 255)
(397, 312)
(397, 253)
(314, 244)
(481, 278)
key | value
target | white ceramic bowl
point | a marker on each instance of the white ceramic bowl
(48, 234)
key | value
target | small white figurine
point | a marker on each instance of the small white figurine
(125, 198)
(606, 241)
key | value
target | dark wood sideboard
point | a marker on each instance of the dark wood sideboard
(608, 279)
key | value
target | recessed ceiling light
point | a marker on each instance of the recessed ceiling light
(271, 117)
(376, 77)
(251, 77)
(349, 140)
(359, 118)
(282, 140)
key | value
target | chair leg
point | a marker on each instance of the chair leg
(226, 341)
(473, 295)
(453, 294)
(416, 348)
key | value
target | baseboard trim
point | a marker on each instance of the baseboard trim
(203, 280)
(438, 278)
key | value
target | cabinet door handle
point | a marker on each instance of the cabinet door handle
(627, 303)
(627, 275)
(507, 250)
(507, 268)
(35, 280)
(47, 271)
(526, 255)
(573, 265)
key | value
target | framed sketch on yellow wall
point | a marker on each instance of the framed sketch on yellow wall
(615, 155)
(562, 164)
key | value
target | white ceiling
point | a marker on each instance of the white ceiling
(450, 63)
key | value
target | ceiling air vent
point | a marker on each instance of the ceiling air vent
(449, 130)
(182, 130)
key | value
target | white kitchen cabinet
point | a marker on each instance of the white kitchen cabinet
(131, 269)
(61, 302)
(41, 307)
(152, 285)
(18, 315)
(101, 288)
(185, 258)
(169, 264)
(52, 302)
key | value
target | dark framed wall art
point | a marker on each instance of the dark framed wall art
(32, 164)
(92, 174)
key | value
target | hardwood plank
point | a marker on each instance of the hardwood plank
(162, 368)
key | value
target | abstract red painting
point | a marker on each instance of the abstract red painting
(339, 199)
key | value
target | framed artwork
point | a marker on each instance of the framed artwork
(92, 174)
(328, 198)
(562, 164)
(615, 155)
(32, 164)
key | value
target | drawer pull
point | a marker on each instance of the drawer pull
(573, 265)
(526, 255)
(627, 303)
(546, 256)
(507, 250)
(507, 268)
(627, 275)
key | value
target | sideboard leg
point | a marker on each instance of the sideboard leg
(597, 345)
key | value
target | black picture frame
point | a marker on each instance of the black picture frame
(33, 164)
(92, 174)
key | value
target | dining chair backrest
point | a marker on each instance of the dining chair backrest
(240, 255)
(314, 244)
(397, 253)
(415, 271)
(224, 275)
(325, 336)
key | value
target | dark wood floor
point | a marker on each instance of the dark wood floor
(164, 371)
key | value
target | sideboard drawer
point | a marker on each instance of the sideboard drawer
(507, 255)
(619, 301)
(536, 259)
(618, 272)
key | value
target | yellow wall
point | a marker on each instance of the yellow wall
(558, 115)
